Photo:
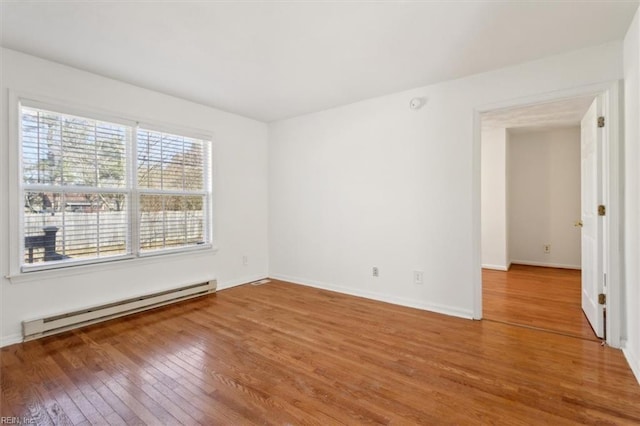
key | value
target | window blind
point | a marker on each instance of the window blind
(172, 174)
(74, 179)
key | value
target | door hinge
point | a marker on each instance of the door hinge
(601, 121)
(602, 298)
(602, 210)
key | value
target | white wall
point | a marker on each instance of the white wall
(543, 169)
(495, 241)
(632, 193)
(375, 183)
(240, 174)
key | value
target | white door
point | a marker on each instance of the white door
(591, 180)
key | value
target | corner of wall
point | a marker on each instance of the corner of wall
(631, 224)
(10, 339)
(634, 362)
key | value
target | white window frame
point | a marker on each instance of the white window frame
(17, 270)
(136, 192)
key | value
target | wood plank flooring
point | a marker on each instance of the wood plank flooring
(280, 353)
(546, 298)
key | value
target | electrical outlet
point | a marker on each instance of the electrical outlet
(418, 277)
(245, 260)
(375, 271)
(547, 248)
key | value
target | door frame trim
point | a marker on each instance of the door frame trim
(612, 172)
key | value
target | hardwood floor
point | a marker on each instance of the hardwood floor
(286, 354)
(546, 298)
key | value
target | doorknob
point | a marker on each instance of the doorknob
(578, 224)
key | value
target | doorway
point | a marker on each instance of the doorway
(543, 240)
(612, 169)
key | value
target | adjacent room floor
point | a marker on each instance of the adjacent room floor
(281, 353)
(544, 298)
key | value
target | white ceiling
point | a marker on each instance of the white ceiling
(549, 115)
(271, 60)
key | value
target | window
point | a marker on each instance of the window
(96, 190)
(173, 192)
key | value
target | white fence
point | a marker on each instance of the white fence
(80, 230)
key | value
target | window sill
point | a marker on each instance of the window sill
(116, 264)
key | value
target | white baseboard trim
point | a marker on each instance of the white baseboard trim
(11, 339)
(402, 301)
(545, 264)
(496, 267)
(634, 363)
(240, 281)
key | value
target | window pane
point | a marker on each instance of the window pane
(172, 159)
(41, 147)
(80, 230)
(151, 222)
(62, 226)
(113, 230)
(170, 221)
(110, 150)
(175, 232)
(61, 149)
(194, 170)
(149, 160)
(170, 162)
(194, 216)
(79, 165)
(42, 221)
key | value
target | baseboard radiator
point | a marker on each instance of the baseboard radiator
(58, 323)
